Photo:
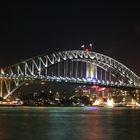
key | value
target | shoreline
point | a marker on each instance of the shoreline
(127, 106)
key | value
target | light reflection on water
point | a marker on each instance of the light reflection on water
(68, 123)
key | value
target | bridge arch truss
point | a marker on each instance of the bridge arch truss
(76, 66)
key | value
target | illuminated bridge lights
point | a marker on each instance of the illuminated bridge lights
(74, 66)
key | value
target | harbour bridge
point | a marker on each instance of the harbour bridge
(73, 66)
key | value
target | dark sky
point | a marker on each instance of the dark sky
(30, 29)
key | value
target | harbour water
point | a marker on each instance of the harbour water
(69, 123)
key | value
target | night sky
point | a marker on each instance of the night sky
(30, 29)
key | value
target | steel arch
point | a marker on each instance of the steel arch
(32, 68)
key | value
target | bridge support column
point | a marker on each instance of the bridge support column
(92, 70)
(1, 87)
(76, 70)
(87, 70)
(81, 71)
(95, 72)
(101, 75)
(105, 75)
(58, 70)
(110, 75)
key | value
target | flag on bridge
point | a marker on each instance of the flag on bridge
(82, 46)
(87, 48)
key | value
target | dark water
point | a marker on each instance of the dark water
(68, 123)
